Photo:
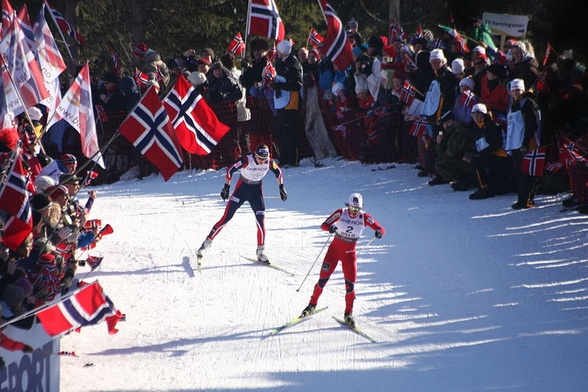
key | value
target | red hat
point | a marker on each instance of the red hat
(316, 53)
(68, 158)
(140, 49)
(204, 60)
(55, 191)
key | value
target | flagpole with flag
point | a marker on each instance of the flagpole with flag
(59, 29)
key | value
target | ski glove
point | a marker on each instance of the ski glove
(225, 192)
(378, 233)
(283, 193)
(332, 229)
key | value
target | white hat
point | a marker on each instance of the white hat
(457, 66)
(337, 87)
(284, 47)
(468, 82)
(355, 200)
(517, 84)
(197, 78)
(437, 54)
(479, 108)
(35, 113)
(479, 49)
(43, 182)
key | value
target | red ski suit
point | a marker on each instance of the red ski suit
(349, 230)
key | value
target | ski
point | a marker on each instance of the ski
(268, 265)
(356, 330)
(296, 320)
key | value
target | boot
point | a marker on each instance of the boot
(205, 245)
(308, 310)
(348, 318)
(261, 256)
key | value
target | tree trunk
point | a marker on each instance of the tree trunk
(139, 20)
(394, 11)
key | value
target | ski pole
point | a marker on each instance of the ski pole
(312, 266)
(364, 247)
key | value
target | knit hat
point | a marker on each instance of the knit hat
(517, 84)
(457, 66)
(315, 52)
(204, 60)
(498, 70)
(480, 108)
(43, 182)
(197, 78)
(13, 296)
(40, 201)
(25, 285)
(55, 191)
(216, 65)
(35, 113)
(68, 158)
(437, 54)
(209, 51)
(284, 47)
(468, 82)
(376, 43)
(479, 50)
(140, 49)
(337, 88)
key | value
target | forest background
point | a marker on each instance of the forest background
(173, 26)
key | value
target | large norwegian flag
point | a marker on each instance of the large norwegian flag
(150, 131)
(14, 200)
(264, 20)
(76, 108)
(196, 125)
(23, 73)
(533, 163)
(87, 306)
(50, 60)
(65, 26)
(335, 45)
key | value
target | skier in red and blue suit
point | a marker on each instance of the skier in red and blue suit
(347, 224)
(253, 168)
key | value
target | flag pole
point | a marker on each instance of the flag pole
(247, 27)
(58, 29)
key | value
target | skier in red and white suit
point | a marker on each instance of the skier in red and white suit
(347, 224)
(253, 168)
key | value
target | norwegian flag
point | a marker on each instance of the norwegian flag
(149, 129)
(14, 200)
(65, 26)
(115, 60)
(314, 38)
(197, 126)
(271, 54)
(408, 93)
(50, 61)
(86, 306)
(264, 20)
(268, 74)
(237, 46)
(335, 45)
(468, 99)
(419, 127)
(141, 78)
(7, 16)
(25, 25)
(25, 73)
(569, 152)
(554, 167)
(76, 108)
(91, 175)
(533, 163)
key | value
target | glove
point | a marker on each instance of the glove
(27, 349)
(283, 193)
(225, 192)
(332, 229)
(378, 233)
(245, 63)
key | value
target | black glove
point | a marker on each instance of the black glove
(283, 193)
(378, 233)
(225, 192)
(278, 94)
(332, 229)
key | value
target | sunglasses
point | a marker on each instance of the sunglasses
(354, 209)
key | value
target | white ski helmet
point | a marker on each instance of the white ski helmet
(355, 200)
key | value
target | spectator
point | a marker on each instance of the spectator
(252, 69)
(494, 93)
(523, 65)
(491, 163)
(522, 135)
(148, 61)
(286, 100)
(462, 110)
(222, 86)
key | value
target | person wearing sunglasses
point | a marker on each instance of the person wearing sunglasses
(347, 224)
(253, 168)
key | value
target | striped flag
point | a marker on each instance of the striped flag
(264, 20)
(336, 46)
(87, 306)
(533, 163)
(148, 128)
(65, 26)
(419, 127)
(237, 46)
(14, 200)
(314, 38)
(196, 125)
